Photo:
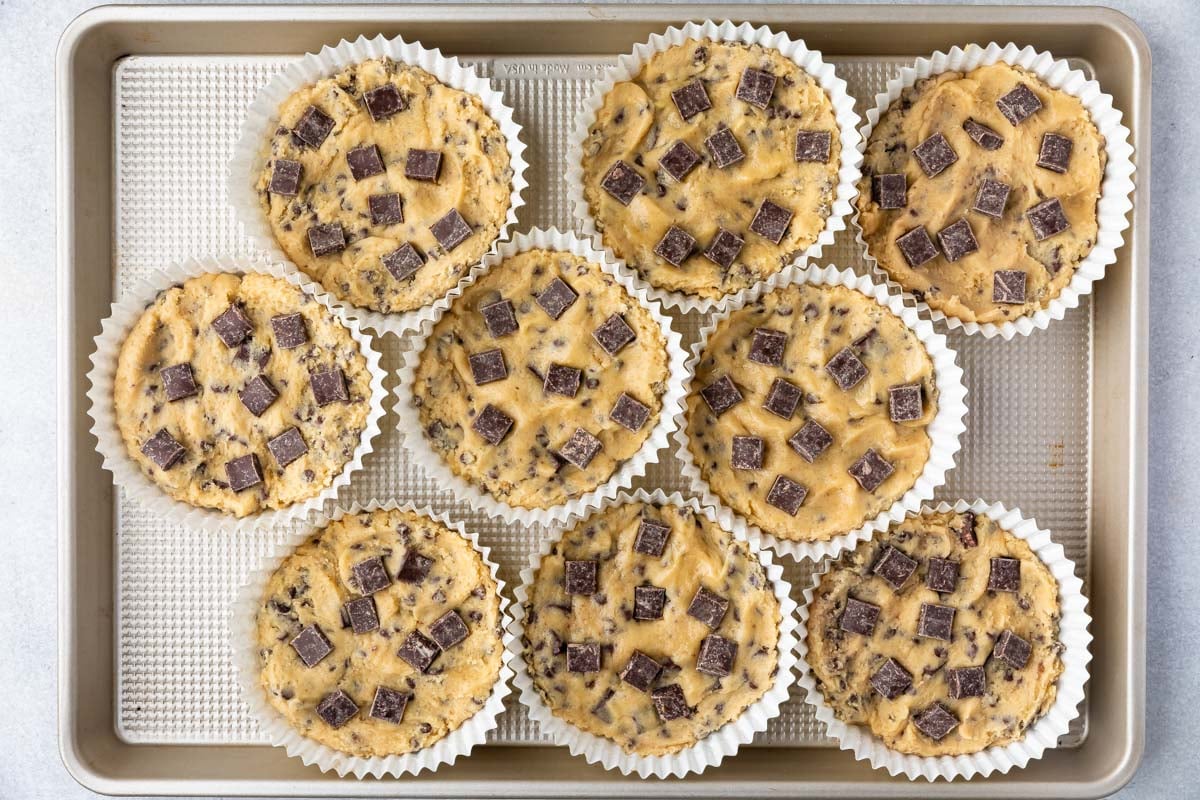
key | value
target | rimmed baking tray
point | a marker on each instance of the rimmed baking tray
(149, 99)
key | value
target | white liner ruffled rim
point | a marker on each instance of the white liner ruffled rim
(250, 154)
(707, 752)
(1042, 735)
(810, 61)
(409, 422)
(1116, 189)
(945, 429)
(244, 646)
(125, 470)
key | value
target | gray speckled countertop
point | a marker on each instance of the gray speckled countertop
(29, 761)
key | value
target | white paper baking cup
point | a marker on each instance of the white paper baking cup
(126, 472)
(945, 429)
(250, 154)
(1043, 735)
(628, 66)
(1116, 189)
(409, 422)
(244, 645)
(712, 749)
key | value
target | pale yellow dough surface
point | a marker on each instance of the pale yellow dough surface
(819, 321)
(941, 104)
(843, 662)
(639, 122)
(213, 426)
(476, 178)
(310, 587)
(698, 554)
(523, 469)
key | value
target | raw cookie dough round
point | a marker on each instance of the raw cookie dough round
(214, 425)
(819, 322)
(1012, 698)
(529, 466)
(474, 179)
(431, 571)
(697, 555)
(639, 122)
(964, 288)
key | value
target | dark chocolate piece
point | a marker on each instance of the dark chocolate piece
(669, 703)
(287, 446)
(991, 198)
(386, 209)
(813, 145)
(500, 318)
(1005, 575)
(708, 607)
(383, 101)
(448, 630)
(290, 330)
(581, 577)
(906, 403)
(423, 165)
(767, 346)
(782, 398)
(613, 334)
(364, 162)
(178, 382)
(404, 261)
(556, 298)
(257, 395)
(811, 440)
(362, 614)
(890, 190)
(846, 369)
(389, 705)
(1019, 105)
(916, 247)
(724, 248)
(746, 452)
(941, 575)
(691, 99)
(651, 537)
(871, 470)
(337, 708)
(311, 645)
(1055, 153)
(163, 449)
(629, 413)
(580, 449)
(488, 366)
(894, 566)
(935, 722)
(243, 472)
(492, 424)
(623, 182)
(724, 148)
(1047, 219)
(934, 155)
(891, 680)
(1008, 286)
(641, 671)
(1012, 650)
(648, 602)
(786, 495)
(771, 221)
(958, 240)
(326, 238)
(370, 576)
(451, 230)
(721, 395)
(285, 178)
(313, 127)
(329, 386)
(966, 531)
(679, 160)
(859, 617)
(419, 651)
(716, 656)
(756, 87)
(561, 379)
(982, 135)
(583, 657)
(936, 622)
(966, 682)
(415, 567)
(232, 326)
(675, 246)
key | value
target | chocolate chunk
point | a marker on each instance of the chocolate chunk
(648, 602)
(894, 567)
(623, 182)
(500, 318)
(782, 398)
(691, 99)
(669, 703)
(386, 209)
(580, 449)
(859, 617)
(448, 630)
(257, 395)
(423, 165)
(916, 247)
(329, 386)
(451, 230)
(285, 178)
(641, 671)
(580, 577)
(786, 495)
(767, 346)
(771, 221)
(1055, 153)
(419, 651)
(488, 366)
(871, 470)
(629, 413)
(232, 326)
(756, 87)
(337, 708)
(561, 379)
(383, 101)
(651, 537)
(1047, 219)
(583, 657)
(364, 162)
(942, 575)
(327, 238)
(724, 148)
(846, 369)
(890, 190)
(371, 576)
(163, 449)
(290, 331)
(811, 440)
(1008, 286)
(287, 446)
(934, 155)
(312, 128)
(678, 160)
(746, 452)
(243, 472)
(982, 135)
(362, 614)
(404, 261)
(311, 645)
(724, 248)
(905, 403)
(891, 680)
(957, 240)
(991, 198)
(936, 622)
(492, 424)
(813, 145)
(708, 607)
(415, 567)
(556, 298)
(1019, 105)
(935, 722)
(966, 530)
(716, 656)
(721, 395)
(389, 705)
(675, 246)
(1005, 575)
(1012, 649)
(966, 682)
(178, 382)
(613, 334)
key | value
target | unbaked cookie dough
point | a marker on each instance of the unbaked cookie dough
(380, 634)
(979, 191)
(941, 638)
(541, 379)
(385, 185)
(809, 411)
(240, 393)
(651, 626)
(712, 167)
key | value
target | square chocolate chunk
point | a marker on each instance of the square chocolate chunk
(651, 537)
(1019, 105)
(313, 126)
(756, 87)
(370, 576)
(613, 334)
(746, 452)
(691, 99)
(329, 386)
(556, 298)
(991, 198)
(364, 162)
(580, 449)
(404, 261)
(906, 403)
(716, 656)
(782, 398)
(623, 182)
(488, 366)
(362, 614)
(941, 575)
(500, 318)
(846, 369)
(448, 630)
(936, 622)
(629, 413)
(894, 566)
(891, 680)
(935, 722)
(581, 577)
(648, 602)
(916, 247)
(721, 395)
(1055, 153)
(492, 424)
(859, 617)
(641, 671)
(1008, 286)
(1005, 575)
(669, 703)
(419, 651)
(383, 101)
(178, 382)
(1012, 650)
(890, 190)
(423, 165)
(415, 567)
(389, 705)
(257, 395)
(724, 248)
(243, 472)
(326, 238)
(958, 240)
(786, 495)
(934, 155)
(311, 645)
(583, 657)
(451, 230)
(561, 379)
(724, 148)
(163, 449)
(675, 246)
(285, 178)
(232, 326)
(679, 160)
(337, 708)
(386, 209)
(708, 607)
(966, 682)
(290, 331)
(966, 530)
(811, 440)
(871, 470)
(771, 221)
(1047, 219)
(287, 446)
(813, 145)
(982, 135)
(767, 346)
